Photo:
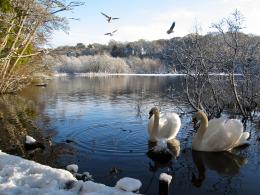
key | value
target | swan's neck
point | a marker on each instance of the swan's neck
(200, 132)
(203, 126)
(156, 121)
(155, 127)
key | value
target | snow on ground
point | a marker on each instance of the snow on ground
(29, 140)
(123, 74)
(60, 74)
(104, 74)
(129, 184)
(73, 168)
(100, 74)
(24, 177)
(165, 177)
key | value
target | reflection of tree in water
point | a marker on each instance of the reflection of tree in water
(138, 107)
(15, 122)
(111, 86)
(113, 89)
(18, 120)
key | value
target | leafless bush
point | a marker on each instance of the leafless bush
(230, 52)
(144, 65)
(84, 64)
(103, 64)
(239, 53)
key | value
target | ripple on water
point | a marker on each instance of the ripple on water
(110, 139)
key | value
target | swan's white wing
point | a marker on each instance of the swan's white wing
(221, 134)
(243, 139)
(235, 129)
(169, 126)
(213, 126)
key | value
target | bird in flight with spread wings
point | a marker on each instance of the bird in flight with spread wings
(111, 33)
(171, 29)
(109, 18)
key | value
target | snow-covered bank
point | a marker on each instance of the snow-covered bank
(123, 74)
(20, 176)
(93, 74)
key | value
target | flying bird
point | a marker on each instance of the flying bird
(109, 18)
(111, 33)
(171, 29)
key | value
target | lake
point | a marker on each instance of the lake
(100, 124)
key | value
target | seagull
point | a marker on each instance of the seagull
(109, 18)
(171, 29)
(111, 33)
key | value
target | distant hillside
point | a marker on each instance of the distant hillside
(164, 53)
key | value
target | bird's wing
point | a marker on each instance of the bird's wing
(222, 134)
(107, 34)
(173, 25)
(169, 125)
(104, 15)
(115, 18)
(114, 31)
(235, 129)
(214, 125)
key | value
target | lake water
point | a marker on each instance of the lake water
(105, 121)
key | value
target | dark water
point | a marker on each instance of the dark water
(106, 120)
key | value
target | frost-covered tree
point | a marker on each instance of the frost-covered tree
(25, 25)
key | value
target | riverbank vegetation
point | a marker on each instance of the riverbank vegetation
(228, 51)
(103, 64)
(25, 26)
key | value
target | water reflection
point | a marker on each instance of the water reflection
(19, 117)
(100, 123)
(163, 159)
(224, 163)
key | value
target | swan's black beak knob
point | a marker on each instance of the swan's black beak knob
(150, 114)
(194, 121)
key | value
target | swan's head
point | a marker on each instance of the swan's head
(154, 111)
(197, 117)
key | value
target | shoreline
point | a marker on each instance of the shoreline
(129, 74)
(22, 176)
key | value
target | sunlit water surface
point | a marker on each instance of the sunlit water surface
(106, 120)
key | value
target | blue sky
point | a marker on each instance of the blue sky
(150, 19)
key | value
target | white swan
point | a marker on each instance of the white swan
(217, 134)
(165, 127)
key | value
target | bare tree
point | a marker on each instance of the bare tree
(26, 25)
(227, 51)
(201, 90)
(239, 53)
